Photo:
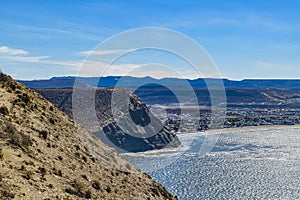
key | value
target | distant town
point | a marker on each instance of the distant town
(183, 123)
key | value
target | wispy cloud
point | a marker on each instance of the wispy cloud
(24, 59)
(41, 60)
(264, 64)
(18, 55)
(71, 64)
(98, 68)
(10, 51)
(107, 52)
(46, 32)
(237, 19)
(22, 56)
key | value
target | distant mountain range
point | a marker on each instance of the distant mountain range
(128, 81)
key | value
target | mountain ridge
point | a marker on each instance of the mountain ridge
(129, 81)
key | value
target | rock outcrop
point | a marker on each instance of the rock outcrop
(45, 155)
(127, 126)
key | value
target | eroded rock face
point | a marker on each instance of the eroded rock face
(45, 155)
(138, 130)
(123, 121)
(129, 143)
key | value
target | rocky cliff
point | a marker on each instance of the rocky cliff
(127, 127)
(46, 155)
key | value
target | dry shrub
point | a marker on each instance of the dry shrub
(17, 138)
(1, 155)
(79, 189)
(4, 110)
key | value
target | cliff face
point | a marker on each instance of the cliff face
(138, 130)
(46, 155)
(127, 128)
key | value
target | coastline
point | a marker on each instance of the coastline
(203, 133)
(245, 128)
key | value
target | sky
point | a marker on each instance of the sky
(245, 39)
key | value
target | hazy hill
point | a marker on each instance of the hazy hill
(128, 81)
(261, 98)
(45, 155)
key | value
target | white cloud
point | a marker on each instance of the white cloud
(41, 60)
(264, 64)
(29, 59)
(71, 64)
(107, 52)
(10, 51)
(21, 56)
(97, 68)
(25, 59)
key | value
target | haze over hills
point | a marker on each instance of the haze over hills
(46, 155)
(128, 81)
(245, 93)
(238, 98)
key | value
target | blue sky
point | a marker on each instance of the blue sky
(255, 39)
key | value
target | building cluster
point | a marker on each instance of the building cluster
(182, 123)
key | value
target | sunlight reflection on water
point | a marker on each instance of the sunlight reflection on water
(244, 164)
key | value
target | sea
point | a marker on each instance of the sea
(258, 163)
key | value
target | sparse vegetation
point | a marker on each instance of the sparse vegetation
(8, 82)
(43, 171)
(60, 158)
(108, 189)
(27, 174)
(84, 158)
(6, 194)
(43, 134)
(57, 172)
(1, 155)
(4, 110)
(51, 120)
(43, 156)
(96, 185)
(24, 97)
(18, 138)
(79, 189)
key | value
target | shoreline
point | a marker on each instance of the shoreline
(245, 128)
(203, 133)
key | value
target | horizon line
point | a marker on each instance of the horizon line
(221, 78)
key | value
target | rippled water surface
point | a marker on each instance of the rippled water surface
(244, 164)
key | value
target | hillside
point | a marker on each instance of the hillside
(46, 155)
(136, 121)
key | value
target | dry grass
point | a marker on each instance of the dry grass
(57, 159)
